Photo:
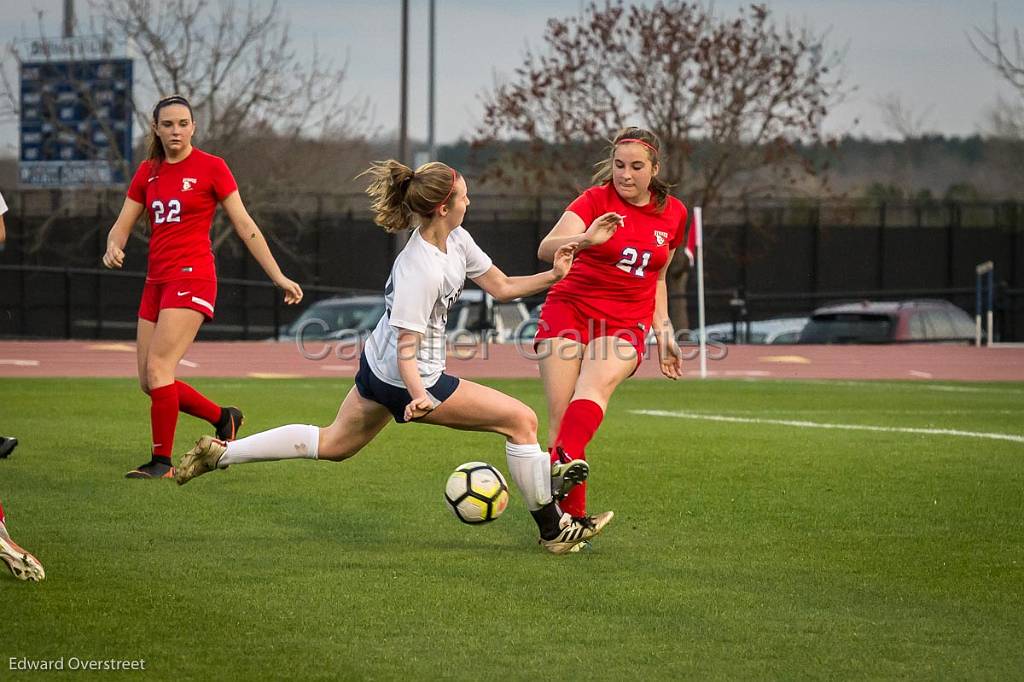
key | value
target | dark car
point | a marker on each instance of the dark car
(923, 321)
(332, 317)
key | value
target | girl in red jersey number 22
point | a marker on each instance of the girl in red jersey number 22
(179, 186)
(594, 323)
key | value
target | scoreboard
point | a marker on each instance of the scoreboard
(76, 122)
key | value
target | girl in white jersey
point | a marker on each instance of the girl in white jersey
(401, 371)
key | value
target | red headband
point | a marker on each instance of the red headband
(455, 177)
(638, 141)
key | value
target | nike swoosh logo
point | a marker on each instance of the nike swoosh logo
(184, 293)
(153, 178)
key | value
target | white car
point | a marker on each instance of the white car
(777, 331)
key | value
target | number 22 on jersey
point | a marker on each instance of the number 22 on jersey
(173, 212)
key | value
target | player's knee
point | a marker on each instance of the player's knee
(335, 447)
(158, 372)
(144, 383)
(524, 425)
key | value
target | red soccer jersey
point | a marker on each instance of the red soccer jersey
(181, 199)
(620, 276)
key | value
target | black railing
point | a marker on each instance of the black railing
(80, 306)
(69, 318)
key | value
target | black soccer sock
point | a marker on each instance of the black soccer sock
(548, 520)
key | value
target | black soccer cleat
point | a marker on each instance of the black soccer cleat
(154, 468)
(230, 423)
(7, 445)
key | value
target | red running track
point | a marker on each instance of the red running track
(272, 360)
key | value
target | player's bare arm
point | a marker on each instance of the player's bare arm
(668, 348)
(570, 229)
(408, 348)
(252, 237)
(504, 288)
(131, 210)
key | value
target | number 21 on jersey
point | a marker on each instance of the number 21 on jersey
(628, 262)
(173, 210)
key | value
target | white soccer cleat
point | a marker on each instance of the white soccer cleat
(201, 459)
(575, 531)
(23, 565)
(596, 522)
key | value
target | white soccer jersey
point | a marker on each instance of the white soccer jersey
(3, 205)
(424, 283)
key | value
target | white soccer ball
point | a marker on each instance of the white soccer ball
(476, 492)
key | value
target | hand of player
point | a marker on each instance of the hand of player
(114, 257)
(601, 230)
(292, 291)
(419, 407)
(671, 357)
(562, 261)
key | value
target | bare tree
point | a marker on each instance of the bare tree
(902, 118)
(249, 89)
(730, 99)
(1005, 54)
(281, 120)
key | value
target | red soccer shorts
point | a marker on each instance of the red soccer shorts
(582, 323)
(195, 294)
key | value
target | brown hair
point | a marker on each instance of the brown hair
(400, 195)
(156, 148)
(650, 142)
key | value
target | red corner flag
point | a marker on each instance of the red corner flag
(691, 243)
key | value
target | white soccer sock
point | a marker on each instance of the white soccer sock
(530, 468)
(295, 441)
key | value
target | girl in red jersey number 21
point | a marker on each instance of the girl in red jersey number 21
(179, 186)
(594, 323)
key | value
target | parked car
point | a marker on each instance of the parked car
(918, 321)
(331, 317)
(775, 331)
(476, 313)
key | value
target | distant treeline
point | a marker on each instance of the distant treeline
(927, 167)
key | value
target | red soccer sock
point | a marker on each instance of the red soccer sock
(579, 424)
(163, 417)
(3, 519)
(191, 401)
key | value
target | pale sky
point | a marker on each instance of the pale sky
(916, 49)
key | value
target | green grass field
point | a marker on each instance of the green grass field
(738, 550)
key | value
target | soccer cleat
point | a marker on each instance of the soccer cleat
(23, 565)
(152, 469)
(573, 532)
(566, 473)
(201, 459)
(230, 423)
(7, 445)
(593, 522)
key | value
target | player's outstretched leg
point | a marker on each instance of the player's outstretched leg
(358, 421)
(22, 565)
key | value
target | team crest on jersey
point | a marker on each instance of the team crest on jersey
(186, 184)
(660, 237)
